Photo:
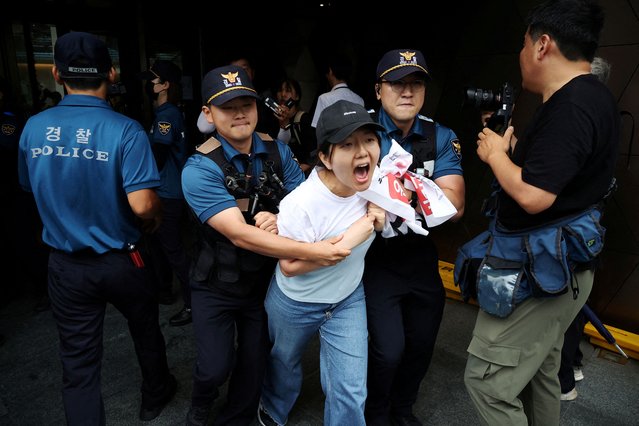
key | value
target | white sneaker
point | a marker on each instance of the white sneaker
(570, 396)
(579, 375)
(264, 418)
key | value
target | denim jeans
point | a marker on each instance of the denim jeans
(343, 355)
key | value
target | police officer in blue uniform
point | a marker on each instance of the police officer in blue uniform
(404, 292)
(93, 176)
(233, 184)
(168, 141)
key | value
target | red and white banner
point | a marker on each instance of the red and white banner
(387, 191)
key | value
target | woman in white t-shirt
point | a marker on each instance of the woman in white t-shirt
(303, 297)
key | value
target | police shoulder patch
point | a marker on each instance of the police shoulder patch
(164, 127)
(8, 129)
(456, 147)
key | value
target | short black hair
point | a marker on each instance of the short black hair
(291, 83)
(340, 64)
(83, 83)
(574, 24)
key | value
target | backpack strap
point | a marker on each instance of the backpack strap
(296, 129)
(425, 149)
(208, 146)
(209, 149)
(264, 136)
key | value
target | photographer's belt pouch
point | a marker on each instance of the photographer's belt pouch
(469, 258)
(515, 266)
(585, 236)
(501, 278)
(547, 266)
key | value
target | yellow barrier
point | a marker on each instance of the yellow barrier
(627, 341)
(452, 291)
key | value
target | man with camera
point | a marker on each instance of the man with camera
(404, 292)
(562, 165)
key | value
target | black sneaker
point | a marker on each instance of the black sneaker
(150, 413)
(197, 416)
(181, 318)
(264, 418)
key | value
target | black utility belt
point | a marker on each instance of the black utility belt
(88, 252)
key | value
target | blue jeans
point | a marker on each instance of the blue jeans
(343, 355)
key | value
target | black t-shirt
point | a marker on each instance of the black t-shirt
(570, 149)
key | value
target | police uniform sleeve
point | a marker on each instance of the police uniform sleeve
(23, 172)
(448, 161)
(293, 175)
(204, 188)
(138, 166)
(165, 130)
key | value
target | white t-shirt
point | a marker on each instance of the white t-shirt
(311, 213)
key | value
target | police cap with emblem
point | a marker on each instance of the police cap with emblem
(81, 55)
(397, 64)
(164, 70)
(339, 120)
(222, 84)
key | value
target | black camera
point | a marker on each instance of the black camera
(499, 102)
(275, 107)
(272, 104)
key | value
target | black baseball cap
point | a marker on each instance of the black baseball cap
(81, 55)
(398, 63)
(164, 70)
(339, 120)
(222, 84)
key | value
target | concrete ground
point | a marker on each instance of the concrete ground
(30, 375)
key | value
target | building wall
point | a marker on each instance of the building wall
(466, 43)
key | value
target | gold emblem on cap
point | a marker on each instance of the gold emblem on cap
(231, 82)
(408, 56)
(231, 76)
(406, 59)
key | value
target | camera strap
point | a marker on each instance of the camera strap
(236, 183)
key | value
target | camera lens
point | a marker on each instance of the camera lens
(480, 98)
